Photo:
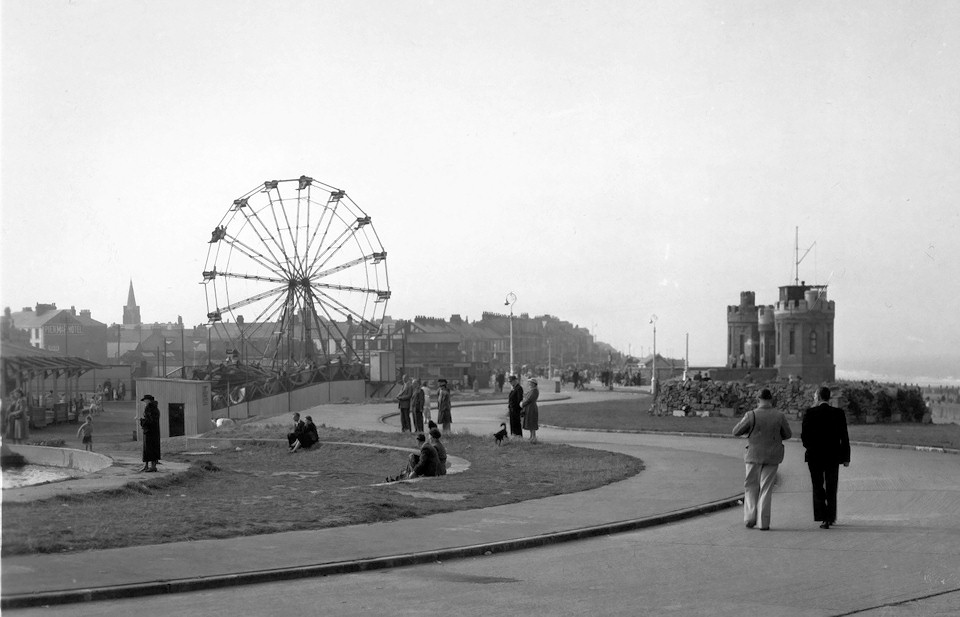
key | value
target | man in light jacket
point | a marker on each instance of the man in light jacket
(765, 427)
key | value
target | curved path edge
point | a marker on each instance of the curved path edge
(200, 583)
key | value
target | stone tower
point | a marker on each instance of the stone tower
(743, 334)
(803, 322)
(131, 312)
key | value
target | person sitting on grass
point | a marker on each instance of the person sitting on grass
(441, 451)
(412, 461)
(308, 436)
(426, 463)
(86, 430)
(429, 463)
(298, 427)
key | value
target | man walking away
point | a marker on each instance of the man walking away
(824, 435)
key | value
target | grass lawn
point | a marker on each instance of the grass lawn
(631, 414)
(262, 488)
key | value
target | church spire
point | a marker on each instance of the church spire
(131, 312)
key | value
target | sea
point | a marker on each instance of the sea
(927, 372)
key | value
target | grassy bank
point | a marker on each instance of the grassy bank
(631, 414)
(261, 488)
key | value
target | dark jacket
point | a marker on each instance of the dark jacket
(150, 423)
(429, 464)
(824, 435)
(515, 398)
(416, 400)
(309, 435)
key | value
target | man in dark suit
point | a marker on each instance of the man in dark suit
(513, 406)
(824, 435)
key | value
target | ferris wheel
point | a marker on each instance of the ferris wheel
(295, 274)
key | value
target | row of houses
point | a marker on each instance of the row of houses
(422, 347)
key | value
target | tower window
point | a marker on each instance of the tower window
(792, 342)
(829, 343)
(813, 342)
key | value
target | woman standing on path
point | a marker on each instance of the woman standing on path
(529, 410)
(444, 415)
(150, 423)
(765, 428)
(17, 417)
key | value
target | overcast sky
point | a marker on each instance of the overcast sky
(604, 161)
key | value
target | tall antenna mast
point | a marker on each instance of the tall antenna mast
(797, 257)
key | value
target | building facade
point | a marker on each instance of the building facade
(795, 335)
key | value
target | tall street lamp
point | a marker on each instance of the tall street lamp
(510, 301)
(653, 378)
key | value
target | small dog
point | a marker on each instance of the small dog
(501, 434)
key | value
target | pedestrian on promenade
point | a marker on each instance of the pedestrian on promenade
(86, 432)
(530, 411)
(416, 406)
(298, 427)
(824, 435)
(513, 407)
(444, 415)
(765, 427)
(403, 402)
(426, 400)
(17, 418)
(150, 423)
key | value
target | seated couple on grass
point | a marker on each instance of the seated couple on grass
(431, 461)
(304, 434)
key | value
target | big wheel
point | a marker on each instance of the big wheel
(295, 276)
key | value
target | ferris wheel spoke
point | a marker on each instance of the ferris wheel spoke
(353, 262)
(211, 274)
(290, 231)
(344, 337)
(261, 230)
(252, 299)
(343, 309)
(328, 253)
(276, 222)
(255, 256)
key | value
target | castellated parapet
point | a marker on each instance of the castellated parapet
(795, 335)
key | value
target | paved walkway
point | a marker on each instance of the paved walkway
(683, 476)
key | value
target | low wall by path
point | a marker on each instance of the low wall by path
(81, 460)
(352, 391)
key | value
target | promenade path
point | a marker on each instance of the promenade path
(899, 537)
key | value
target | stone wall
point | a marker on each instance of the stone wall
(863, 401)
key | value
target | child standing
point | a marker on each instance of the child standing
(86, 429)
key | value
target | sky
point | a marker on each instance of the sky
(604, 161)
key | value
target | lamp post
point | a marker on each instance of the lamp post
(510, 301)
(653, 378)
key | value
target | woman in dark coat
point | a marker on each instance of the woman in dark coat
(150, 423)
(513, 407)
